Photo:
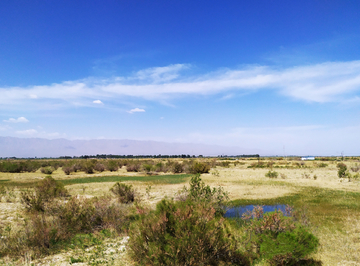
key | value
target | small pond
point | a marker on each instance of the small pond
(237, 212)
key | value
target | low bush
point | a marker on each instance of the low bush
(199, 168)
(67, 170)
(133, 167)
(147, 167)
(112, 166)
(45, 191)
(183, 233)
(99, 167)
(47, 170)
(177, 168)
(342, 168)
(272, 174)
(125, 193)
(277, 238)
(199, 192)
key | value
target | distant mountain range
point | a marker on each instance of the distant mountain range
(37, 147)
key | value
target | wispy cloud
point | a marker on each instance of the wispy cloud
(325, 82)
(4, 128)
(17, 120)
(98, 102)
(136, 110)
(28, 132)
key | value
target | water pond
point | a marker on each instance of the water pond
(237, 212)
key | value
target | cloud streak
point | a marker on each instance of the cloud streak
(17, 120)
(136, 110)
(325, 82)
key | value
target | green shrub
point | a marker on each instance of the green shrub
(289, 247)
(183, 233)
(177, 168)
(199, 192)
(199, 168)
(125, 193)
(279, 239)
(224, 164)
(159, 167)
(47, 170)
(341, 170)
(323, 165)
(67, 170)
(272, 174)
(112, 165)
(147, 167)
(88, 166)
(133, 167)
(45, 191)
(99, 167)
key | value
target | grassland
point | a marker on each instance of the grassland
(330, 205)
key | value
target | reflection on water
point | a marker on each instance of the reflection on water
(237, 212)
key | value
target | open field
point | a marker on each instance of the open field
(332, 205)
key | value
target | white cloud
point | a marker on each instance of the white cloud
(17, 120)
(161, 74)
(27, 132)
(136, 110)
(98, 102)
(325, 82)
(4, 128)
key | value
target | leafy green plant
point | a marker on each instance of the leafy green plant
(125, 193)
(278, 238)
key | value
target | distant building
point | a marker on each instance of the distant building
(307, 158)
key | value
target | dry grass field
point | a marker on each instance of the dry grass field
(332, 205)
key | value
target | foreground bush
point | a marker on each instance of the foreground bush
(44, 192)
(201, 193)
(183, 233)
(278, 238)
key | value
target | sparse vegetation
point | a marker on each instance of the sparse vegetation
(272, 174)
(82, 224)
(124, 193)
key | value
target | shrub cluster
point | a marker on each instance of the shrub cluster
(279, 238)
(45, 191)
(188, 232)
(272, 174)
(124, 193)
(52, 222)
(19, 166)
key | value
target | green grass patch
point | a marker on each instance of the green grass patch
(323, 206)
(157, 179)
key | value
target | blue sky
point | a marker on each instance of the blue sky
(282, 77)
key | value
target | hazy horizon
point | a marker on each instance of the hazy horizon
(281, 77)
